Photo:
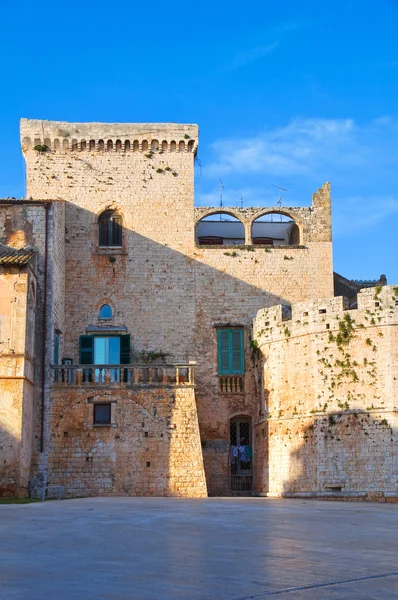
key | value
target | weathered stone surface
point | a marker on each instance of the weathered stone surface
(171, 295)
(329, 401)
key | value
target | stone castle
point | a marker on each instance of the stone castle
(148, 347)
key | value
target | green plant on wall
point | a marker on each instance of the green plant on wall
(148, 356)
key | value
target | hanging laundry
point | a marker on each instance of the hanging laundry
(245, 453)
(234, 454)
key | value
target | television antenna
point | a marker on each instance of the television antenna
(221, 199)
(279, 201)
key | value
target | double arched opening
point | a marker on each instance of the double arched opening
(226, 228)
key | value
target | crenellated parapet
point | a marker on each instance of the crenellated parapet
(377, 307)
(62, 137)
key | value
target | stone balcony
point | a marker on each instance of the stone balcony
(132, 375)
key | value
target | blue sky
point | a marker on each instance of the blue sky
(288, 93)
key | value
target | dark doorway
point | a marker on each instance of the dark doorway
(241, 455)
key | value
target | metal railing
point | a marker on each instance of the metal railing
(241, 483)
(231, 384)
(140, 375)
(226, 485)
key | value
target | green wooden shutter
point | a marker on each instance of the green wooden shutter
(223, 352)
(236, 349)
(86, 347)
(125, 349)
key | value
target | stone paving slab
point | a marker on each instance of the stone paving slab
(199, 549)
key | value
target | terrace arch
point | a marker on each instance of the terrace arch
(275, 228)
(220, 228)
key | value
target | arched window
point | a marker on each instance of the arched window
(220, 229)
(110, 229)
(105, 312)
(275, 229)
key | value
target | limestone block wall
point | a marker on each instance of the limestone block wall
(17, 324)
(169, 293)
(152, 448)
(330, 396)
(23, 223)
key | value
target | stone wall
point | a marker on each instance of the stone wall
(329, 407)
(17, 323)
(152, 447)
(169, 293)
(23, 223)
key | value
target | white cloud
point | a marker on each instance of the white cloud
(253, 54)
(294, 149)
(360, 160)
(354, 214)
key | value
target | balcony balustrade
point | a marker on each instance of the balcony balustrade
(231, 384)
(134, 375)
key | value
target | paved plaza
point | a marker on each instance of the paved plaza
(214, 549)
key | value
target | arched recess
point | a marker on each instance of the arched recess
(109, 145)
(83, 146)
(270, 228)
(118, 145)
(220, 228)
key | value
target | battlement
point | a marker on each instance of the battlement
(60, 136)
(377, 307)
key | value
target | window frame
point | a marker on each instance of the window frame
(110, 229)
(107, 305)
(102, 405)
(231, 333)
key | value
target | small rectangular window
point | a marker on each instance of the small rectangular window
(102, 413)
(230, 352)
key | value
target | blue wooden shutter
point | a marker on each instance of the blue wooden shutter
(223, 352)
(86, 346)
(236, 350)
